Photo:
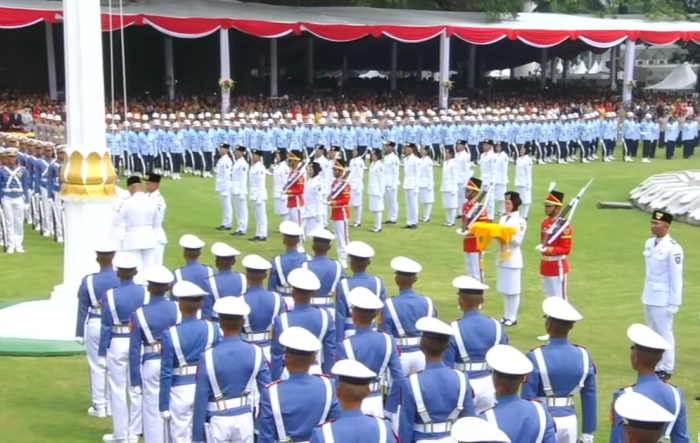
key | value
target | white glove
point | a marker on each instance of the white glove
(80, 340)
(137, 390)
(165, 415)
(541, 248)
(672, 309)
(587, 438)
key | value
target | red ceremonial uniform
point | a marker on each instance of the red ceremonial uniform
(295, 194)
(470, 241)
(340, 206)
(556, 252)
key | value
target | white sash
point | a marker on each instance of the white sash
(144, 327)
(113, 308)
(89, 285)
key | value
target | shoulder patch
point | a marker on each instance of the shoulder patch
(273, 383)
(326, 422)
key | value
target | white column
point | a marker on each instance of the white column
(225, 60)
(471, 67)
(274, 74)
(51, 61)
(444, 70)
(630, 60)
(394, 62)
(613, 67)
(543, 68)
(169, 67)
(310, 62)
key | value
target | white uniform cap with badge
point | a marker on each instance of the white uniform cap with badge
(256, 262)
(405, 265)
(644, 336)
(508, 360)
(158, 274)
(187, 289)
(290, 229)
(639, 411)
(466, 283)
(300, 339)
(359, 249)
(106, 246)
(303, 279)
(125, 260)
(477, 430)
(431, 326)
(223, 250)
(189, 241)
(232, 306)
(560, 309)
(362, 298)
(322, 234)
(353, 372)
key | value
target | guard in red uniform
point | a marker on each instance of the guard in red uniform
(339, 201)
(473, 255)
(554, 267)
(296, 186)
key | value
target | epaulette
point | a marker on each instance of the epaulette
(326, 422)
(537, 347)
(534, 400)
(323, 375)
(276, 382)
(625, 387)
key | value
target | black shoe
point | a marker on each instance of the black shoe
(262, 238)
(459, 217)
(389, 222)
(697, 398)
(237, 233)
(221, 228)
(376, 230)
(256, 238)
(663, 375)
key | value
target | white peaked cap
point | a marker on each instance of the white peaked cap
(323, 234)
(106, 246)
(359, 249)
(477, 430)
(189, 241)
(508, 360)
(560, 309)
(187, 289)
(232, 306)
(363, 298)
(644, 336)
(467, 283)
(158, 274)
(303, 279)
(223, 250)
(433, 325)
(125, 260)
(634, 406)
(300, 339)
(291, 229)
(352, 369)
(405, 265)
(256, 262)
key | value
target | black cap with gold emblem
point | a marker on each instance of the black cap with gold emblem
(662, 216)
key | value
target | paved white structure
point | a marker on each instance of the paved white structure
(675, 192)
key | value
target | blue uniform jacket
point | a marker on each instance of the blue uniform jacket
(223, 284)
(282, 265)
(194, 272)
(329, 273)
(521, 420)
(344, 326)
(90, 292)
(127, 297)
(264, 307)
(354, 427)
(409, 307)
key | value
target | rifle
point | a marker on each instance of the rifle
(339, 186)
(565, 217)
(299, 170)
(475, 212)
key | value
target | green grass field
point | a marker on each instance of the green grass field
(45, 399)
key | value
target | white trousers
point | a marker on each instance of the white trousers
(295, 216)
(147, 259)
(47, 229)
(490, 203)
(126, 415)
(484, 393)
(158, 253)
(411, 206)
(260, 219)
(13, 207)
(227, 209)
(240, 204)
(555, 286)
(236, 429)
(152, 423)
(181, 409)
(97, 364)
(58, 222)
(412, 362)
(472, 261)
(392, 202)
(567, 429)
(312, 223)
(439, 440)
(342, 237)
(373, 405)
(661, 321)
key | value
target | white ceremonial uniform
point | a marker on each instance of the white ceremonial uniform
(509, 265)
(426, 185)
(376, 187)
(451, 189)
(392, 181)
(357, 186)
(141, 220)
(258, 197)
(328, 178)
(500, 180)
(314, 210)
(488, 172)
(223, 187)
(462, 163)
(239, 193)
(279, 179)
(118, 233)
(663, 291)
(411, 173)
(161, 238)
(523, 183)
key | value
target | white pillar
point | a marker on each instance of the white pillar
(630, 60)
(225, 60)
(613, 67)
(444, 69)
(51, 61)
(169, 67)
(274, 74)
(543, 68)
(471, 67)
(394, 62)
(310, 62)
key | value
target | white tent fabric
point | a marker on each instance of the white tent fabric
(373, 74)
(595, 69)
(682, 78)
(580, 68)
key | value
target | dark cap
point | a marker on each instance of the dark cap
(321, 147)
(392, 144)
(257, 152)
(474, 184)
(133, 180)
(153, 178)
(335, 148)
(662, 216)
(225, 146)
(240, 148)
(554, 198)
(488, 141)
(339, 164)
(294, 155)
(461, 142)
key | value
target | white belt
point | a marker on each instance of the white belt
(185, 370)
(553, 258)
(322, 301)
(120, 329)
(286, 289)
(95, 310)
(557, 402)
(375, 386)
(231, 403)
(12, 190)
(433, 428)
(407, 341)
(152, 349)
(473, 366)
(259, 336)
(348, 321)
(289, 440)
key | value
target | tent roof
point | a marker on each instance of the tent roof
(193, 19)
(681, 78)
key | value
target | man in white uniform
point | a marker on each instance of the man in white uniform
(411, 165)
(464, 170)
(153, 188)
(450, 187)
(223, 185)
(258, 195)
(392, 163)
(239, 190)
(488, 171)
(663, 285)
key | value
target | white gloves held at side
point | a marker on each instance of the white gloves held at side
(165, 415)
(541, 248)
(80, 340)
(586, 438)
(673, 309)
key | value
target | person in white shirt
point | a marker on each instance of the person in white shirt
(376, 187)
(411, 165)
(328, 178)
(239, 190)
(315, 196)
(663, 286)
(488, 172)
(153, 188)
(280, 174)
(223, 185)
(450, 187)
(357, 185)
(509, 261)
(463, 165)
(500, 178)
(523, 180)
(258, 195)
(118, 232)
(392, 164)
(426, 183)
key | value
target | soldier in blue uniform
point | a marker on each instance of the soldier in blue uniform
(147, 324)
(183, 344)
(15, 192)
(285, 263)
(524, 421)
(224, 283)
(477, 430)
(291, 409)
(353, 425)
(55, 182)
(328, 271)
(643, 419)
(647, 350)
(193, 271)
(88, 324)
(474, 335)
(563, 370)
(433, 399)
(226, 374)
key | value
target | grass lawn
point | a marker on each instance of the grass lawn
(45, 399)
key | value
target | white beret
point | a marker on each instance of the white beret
(560, 309)
(434, 325)
(291, 229)
(508, 360)
(223, 250)
(256, 262)
(467, 283)
(359, 249)
(644, 336)
(363, 298)
(300, 339)
(106, 246)
(323, 234)
(352, 369)
(405, 265)
(158, 274)
(125, 260)
(187, 289)
(477, 430)
(634, 406)
(303, 279)
(189, 241)
(232, 306)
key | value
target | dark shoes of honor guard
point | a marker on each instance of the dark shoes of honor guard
(237, 233)
(223, 228)
(411, 227)
(390, 222)
(256, 238)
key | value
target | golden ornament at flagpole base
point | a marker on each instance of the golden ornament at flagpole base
(485, 232)
(90, 176)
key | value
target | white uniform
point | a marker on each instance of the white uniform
(488, 172)
(141, 220)
(411, 166)
(392, 181)
(376, 187)
(663, 291)
(161, 239)
(279, 178)
(426, 186)
(239, 193)
(122, 195)
(450, 189)
(314, 210)
(328, 178)
(357, 186)
(223, 187)
(258, 197)
(509, 265)
(464, 173)
(500, 180)
(523, 182)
